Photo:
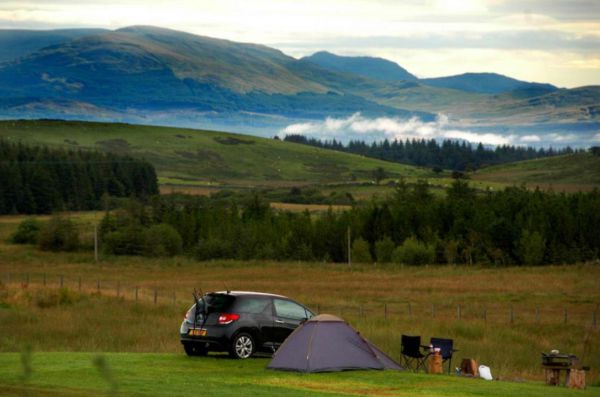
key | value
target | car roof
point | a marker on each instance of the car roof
(248, 293)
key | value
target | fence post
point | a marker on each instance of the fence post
(136, 293)
(458, 313)
(155, 295)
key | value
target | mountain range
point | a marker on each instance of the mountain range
(154, 75)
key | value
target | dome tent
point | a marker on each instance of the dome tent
(327, 343)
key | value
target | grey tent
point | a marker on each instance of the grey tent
(327, 343)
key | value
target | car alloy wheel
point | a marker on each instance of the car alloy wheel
(243, 346)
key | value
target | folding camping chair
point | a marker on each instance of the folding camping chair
(446, 349)
(412, 356)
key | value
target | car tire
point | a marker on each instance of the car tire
(195, 349)
(242, 346)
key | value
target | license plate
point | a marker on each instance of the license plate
(197, 332)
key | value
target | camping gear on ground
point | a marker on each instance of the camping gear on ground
(468, 367)
(327, 343)
(412, 356)
(446, 349)
(485, 372)
(554, 363)
(435, 363)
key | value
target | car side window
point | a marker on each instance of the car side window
(251, 305)
(288, 309)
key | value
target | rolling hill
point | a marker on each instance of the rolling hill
(370, 67)
(145, 74)
(15, 43)
(195, 157)
(580, 171)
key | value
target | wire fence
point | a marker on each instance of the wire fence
(582, 314)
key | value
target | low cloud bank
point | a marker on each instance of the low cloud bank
(358, 127)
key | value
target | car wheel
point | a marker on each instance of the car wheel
(242, 346)
(195, 349)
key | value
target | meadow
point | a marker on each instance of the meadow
(503, 317)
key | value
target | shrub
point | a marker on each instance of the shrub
(384, 250)
(414, 252)
(51, 298)
(59, 234)
(128, 240)
(360, 251)
(531, 248)
(162, 240)
(214, 248)
(27, 232)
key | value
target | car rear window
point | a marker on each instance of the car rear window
(251, 305)
(218, 302)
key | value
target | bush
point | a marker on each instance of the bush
(214, 248)
(531, 248)
(27, 232)
(59, 234)
(384, 250)
(162, 240)
(414, 252)
(360, 251)
(128, 240)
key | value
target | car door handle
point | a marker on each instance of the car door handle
(280, 321)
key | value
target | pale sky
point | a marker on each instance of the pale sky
(555, 41)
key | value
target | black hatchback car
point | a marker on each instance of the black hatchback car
(240, 322)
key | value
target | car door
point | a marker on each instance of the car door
(288, 315)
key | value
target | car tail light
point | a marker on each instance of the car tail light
(227, 318)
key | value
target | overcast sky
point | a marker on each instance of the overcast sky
(556, 41)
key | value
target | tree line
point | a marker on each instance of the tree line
(509, 227)
(449, 154)
(41, 180)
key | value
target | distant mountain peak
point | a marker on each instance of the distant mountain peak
(365, 66)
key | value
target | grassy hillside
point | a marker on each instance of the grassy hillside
(569, 173)
(185, 156)
(85, 374)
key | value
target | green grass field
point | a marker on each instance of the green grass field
(135, 374)
(569, 173)
(195, 157)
